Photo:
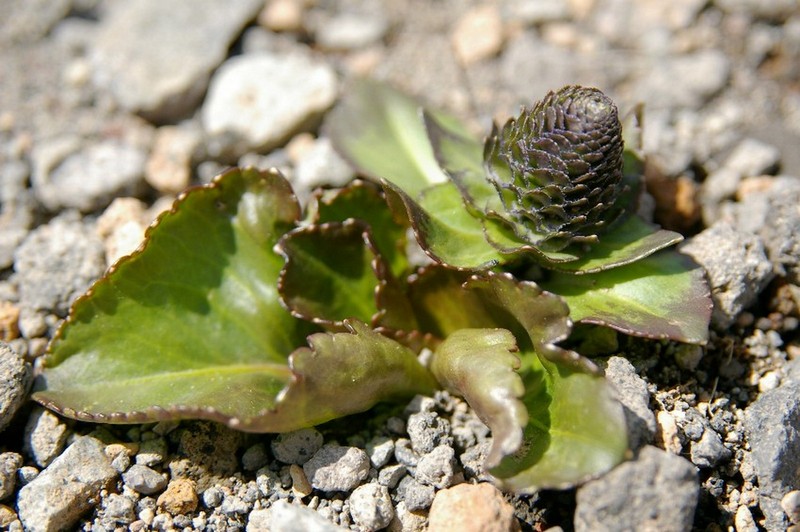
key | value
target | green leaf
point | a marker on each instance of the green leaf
(342, 374)
(444, 228)
(662, 296)
(380, 131)
(365, 202)
(575, 429)
(480, 365)
(627, 240)
(331, 272)
(190, 325)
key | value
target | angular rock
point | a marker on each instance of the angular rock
(88, 178)
(16, 377)
(9, 464)
(163, 73)
(380, 450)
(144, 480)
(437, 468)
(56, 263)
(371, 507)
(772, 425)
(297, 447)
(258, 101)
(57, 498)
(773, 215)
(45, 436)
(737, 269)
(656, 491)
(337, 468)
(426, 430)
(255, 457)
(415, 495)
(180, 497)
(471, 507)
(709, 451)
(632, 393)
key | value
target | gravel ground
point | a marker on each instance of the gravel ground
(108, 109)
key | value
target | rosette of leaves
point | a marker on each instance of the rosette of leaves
(243, 308)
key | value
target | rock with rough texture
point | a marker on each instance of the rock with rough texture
(437, 468)
(337, 468)
(773, 215)
(427, 430)
(417, 496)
(57, 498)
(286, 517)
(737, 269)
(163, 73)
(16, 377)
(180, 497)
(371, 507)
(471, 508)
(297, 447)
(259, 100)
(88, 178)
(56, 263)
(210, 451)
(9, 464)
(772, 425)
(144, 480)
(709, 450)
(632, 393)
(45, 436)
(656, 491)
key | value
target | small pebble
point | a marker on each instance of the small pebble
(45, 436)
(297, 447)
(144, 480)
(300, 484)
(255, 457)
(437, 468)
(336, 468)
(791, 506)
(180, 497)
(371, 507)
(380, 450)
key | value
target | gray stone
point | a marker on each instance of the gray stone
(32, 19)
(539, 11)
(337, 468)
(437, 468)
(473, 459)
(752, 157)
(631, 390)
(16, 216)
(404, 454)
(259, 101)
(709, 451)
(380, 450)
(772, 425)
(371, 507)
(297, 447)
(255, 457)
(119, 509)
(164, 72)
(791, 506)
(16, 377)
(69, 486)
(144, 479)
(45, 436)
(389, 476)
(56, 263)
(415, 495)
(9, 465)
(213, 497)
(773, 215)
(736, 266)
(427, 430)
(88, 178)
(286, 517)
(656, 491)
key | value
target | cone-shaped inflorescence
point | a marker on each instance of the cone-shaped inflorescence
(558, 168)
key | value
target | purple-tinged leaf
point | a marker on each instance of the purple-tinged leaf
(663, 296)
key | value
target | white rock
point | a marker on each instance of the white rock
(262, 99)
(371, 507)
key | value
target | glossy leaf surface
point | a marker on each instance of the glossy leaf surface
(662, 296)
(191, 326)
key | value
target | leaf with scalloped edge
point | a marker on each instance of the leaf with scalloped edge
(575, 428)
(480, 365)
(191, 326)
(663, 296)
